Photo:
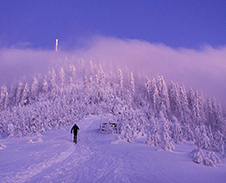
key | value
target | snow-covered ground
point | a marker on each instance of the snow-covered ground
(98, 158)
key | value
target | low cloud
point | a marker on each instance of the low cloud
(203, 69)
(18, 64)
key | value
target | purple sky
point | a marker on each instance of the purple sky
(179, 23)
(185, 41)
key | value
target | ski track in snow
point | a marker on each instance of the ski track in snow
(33, 170)
(95, 159)
(89, 159)
(36, 169)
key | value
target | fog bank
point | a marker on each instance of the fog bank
(203, 69)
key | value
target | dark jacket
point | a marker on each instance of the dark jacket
(75, 129)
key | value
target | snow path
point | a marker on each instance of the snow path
(54, 158)
(34, 169)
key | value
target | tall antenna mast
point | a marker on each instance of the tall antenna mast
(56, 44)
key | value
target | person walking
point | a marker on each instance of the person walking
(75, 129)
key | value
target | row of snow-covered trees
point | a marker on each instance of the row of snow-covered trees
(167, 114)
(190, 108)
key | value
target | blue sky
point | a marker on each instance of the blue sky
(37, 23)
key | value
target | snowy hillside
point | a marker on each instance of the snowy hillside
(150, 130)
(98, 157)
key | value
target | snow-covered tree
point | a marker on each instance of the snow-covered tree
(166, 140)
(4, 98)
(197, 135)
(101, 76)
(25, 96)
(218, 122)
(34, 88)
(155, 99)
(177, 133)
(196, 102)
(12, 95)
(53, 86)
(128, 135)
(85, 83)
(120, 80)
(163, 95)
(141, 124)
(148, 84)
(19, 93)
(209, 112)
(198, 156)
(73, 71)
(210, 159)
(188, 134)
(70, 84)
(219, 144)
(62, 78)
(214, 158)
(153, 133)
(184, 111)
(132, 84)
(45, 86)
(203, 141)
(174, 99)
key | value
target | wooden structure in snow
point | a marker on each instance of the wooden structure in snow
(108, 127)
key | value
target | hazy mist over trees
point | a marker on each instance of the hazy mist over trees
(202, 69)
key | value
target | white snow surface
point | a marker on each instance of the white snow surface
(98, 157)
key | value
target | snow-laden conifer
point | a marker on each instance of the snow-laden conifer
(209, 112)
(53, 84)
(177, 133)
(19, 93)
(166, 140)
(209, 159)
(4, 98)
(174, 99)
(101, 77)
(128, 135)
(155, 99)
(153, 133)
(214, 158)
(132, 84)
(198, 156)
(148, 84)
(184, 111)
(163, 95)
(197, 107)
(45, 87)
(219, 144)
(188, 134)
(25, 96)
(12, 95)
(34, 88)
(204, 141)
(72, 70)
(218, 122)
(85, 83)
(120, 78)
(62, 78)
